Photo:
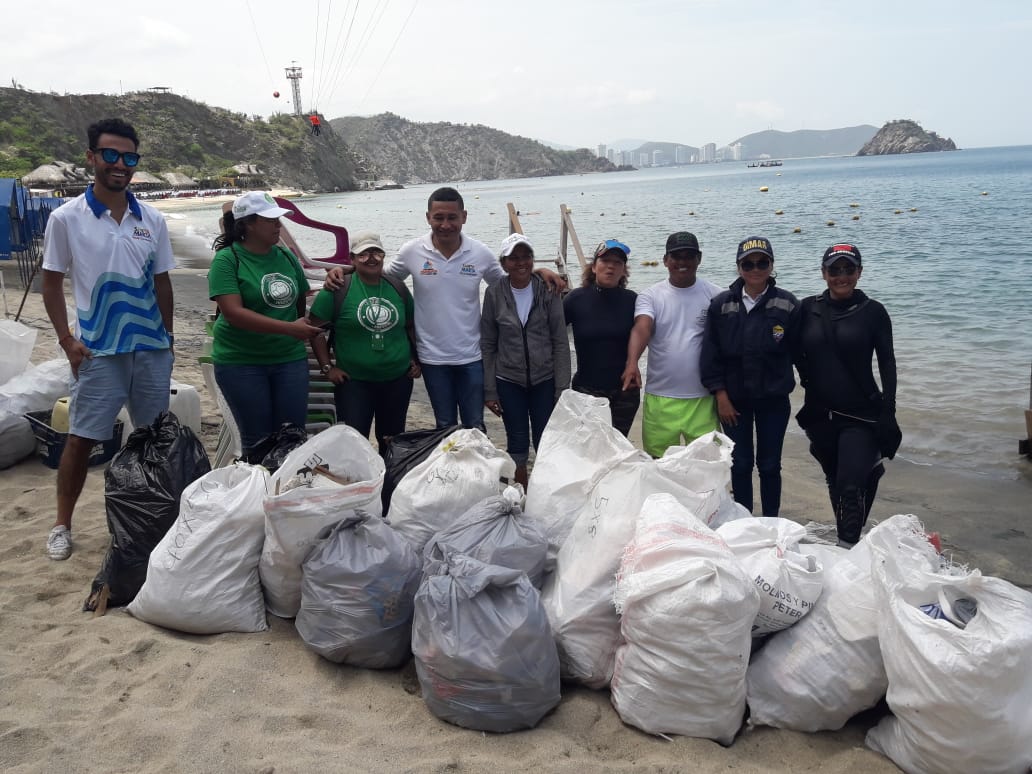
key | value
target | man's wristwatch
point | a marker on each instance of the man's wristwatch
(325, 369)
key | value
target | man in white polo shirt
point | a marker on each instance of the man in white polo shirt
(117, 253)
(447, 268)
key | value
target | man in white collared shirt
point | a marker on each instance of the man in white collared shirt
(447, 268)
(117, 253)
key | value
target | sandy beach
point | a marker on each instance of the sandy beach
(113, 694)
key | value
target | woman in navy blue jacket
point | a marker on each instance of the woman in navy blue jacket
(747, 363)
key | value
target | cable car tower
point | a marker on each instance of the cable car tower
(294, 75)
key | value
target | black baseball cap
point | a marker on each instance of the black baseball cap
(850, 252)
(682, 240)
(754, 244)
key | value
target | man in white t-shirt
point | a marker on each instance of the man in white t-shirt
(670, 319)
(117, 254)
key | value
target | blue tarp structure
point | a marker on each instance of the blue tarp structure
(23, 219)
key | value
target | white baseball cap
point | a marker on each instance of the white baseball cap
(258, 203)
(510, 242)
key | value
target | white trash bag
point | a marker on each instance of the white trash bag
(329, 477)
(578, 447)
(464, 469)
(817, 674)
(37, 388)
(578, 595)
(202, 577)
(789, 582)
(960, 685)
(687, 612)
(16, 343)
(357, 590)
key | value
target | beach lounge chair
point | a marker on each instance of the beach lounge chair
(342, 248)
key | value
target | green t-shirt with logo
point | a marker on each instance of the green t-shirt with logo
(370, 339)
(268, 284)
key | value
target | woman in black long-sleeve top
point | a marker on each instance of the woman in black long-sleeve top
(747, 363)
(840, 330)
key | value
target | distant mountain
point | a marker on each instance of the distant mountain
(626, 144)
(905, 136)
(411, 152)
(559, 146)
(668, 149)
(805, 142)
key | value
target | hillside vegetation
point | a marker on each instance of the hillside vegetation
(905, 136)
(410, 152)
(176, 135)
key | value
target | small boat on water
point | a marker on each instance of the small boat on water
(765, 163)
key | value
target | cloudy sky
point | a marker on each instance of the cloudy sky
(577, 72)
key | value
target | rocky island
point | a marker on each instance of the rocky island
(905, 136)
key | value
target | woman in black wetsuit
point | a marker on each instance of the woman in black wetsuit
(601, 312)
(839, 331)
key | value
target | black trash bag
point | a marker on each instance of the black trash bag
(142, 487)
(271, 450)
(495, 531)
(404, 452)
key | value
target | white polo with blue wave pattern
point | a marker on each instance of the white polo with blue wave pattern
(112, 267)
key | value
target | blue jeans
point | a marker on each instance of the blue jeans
(522, 406)
(263, 397)
(770, 418)
(358, 402)
(452, 387)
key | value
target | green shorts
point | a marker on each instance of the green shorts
(665, 421)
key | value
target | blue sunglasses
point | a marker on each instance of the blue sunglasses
(111, 156)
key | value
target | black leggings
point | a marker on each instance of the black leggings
(847, 451)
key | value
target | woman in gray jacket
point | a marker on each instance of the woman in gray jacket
(525, 350)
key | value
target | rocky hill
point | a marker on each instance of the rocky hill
(905, 136)
(805, 142)
(411, 152)
(176, 135)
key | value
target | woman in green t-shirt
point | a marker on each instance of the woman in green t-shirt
(261, 364)
(374, 343)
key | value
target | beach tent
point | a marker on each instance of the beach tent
(23, 219)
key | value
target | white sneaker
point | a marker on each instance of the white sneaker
(59, 543)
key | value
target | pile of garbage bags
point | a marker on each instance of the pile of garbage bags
(613, 570)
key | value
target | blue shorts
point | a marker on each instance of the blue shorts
(108, 382)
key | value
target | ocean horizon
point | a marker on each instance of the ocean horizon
(940, 233)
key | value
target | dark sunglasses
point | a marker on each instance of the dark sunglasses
(111, 156)
(837, 271)
(763, 264)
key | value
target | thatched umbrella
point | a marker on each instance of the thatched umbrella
(179, 180)
(59, 174)
(145, 180)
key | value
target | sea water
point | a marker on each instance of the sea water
(945, 238)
